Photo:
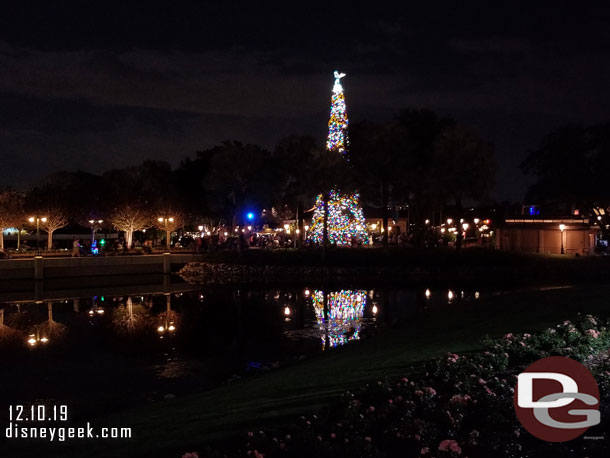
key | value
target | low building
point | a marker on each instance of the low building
(572, 236)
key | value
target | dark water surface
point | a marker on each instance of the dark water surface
(102, 353)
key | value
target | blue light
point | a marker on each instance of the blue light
(250, 216)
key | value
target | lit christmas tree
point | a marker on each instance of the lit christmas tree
(345, 218)
(337, 124)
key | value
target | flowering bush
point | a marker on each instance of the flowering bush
(457, 405)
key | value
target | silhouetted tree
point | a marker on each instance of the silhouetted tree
(464, 166)
(571, 165)
(239, 176)
(294, 169)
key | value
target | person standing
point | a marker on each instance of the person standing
(75, 247)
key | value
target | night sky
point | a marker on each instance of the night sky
(96, 89)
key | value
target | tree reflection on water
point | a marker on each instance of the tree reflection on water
(339, 315)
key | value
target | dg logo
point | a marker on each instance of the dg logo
(557, 399)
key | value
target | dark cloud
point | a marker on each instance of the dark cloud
(100, 87)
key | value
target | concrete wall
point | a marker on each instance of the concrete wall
(48, 268)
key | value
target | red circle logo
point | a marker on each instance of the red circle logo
(557, 399)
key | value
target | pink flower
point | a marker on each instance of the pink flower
(372, 409)
(250, 434)
(258, 455)
(417, 437)
(191, 455)
(390, 401)
(368, 438)
(592, 332)
(522, 344)
(592, 320)
(452, 357)
(424, 451)
(527, 336)
(431, 391)
(398, 398)
(419, 393)
(450, 445)
(459, 399)
(482, 382)
(508, 336)
(489, 392)
(404, 380)
(333, 436)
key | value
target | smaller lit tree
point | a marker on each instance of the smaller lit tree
(55, 219)
(129, 219)
(11, 212)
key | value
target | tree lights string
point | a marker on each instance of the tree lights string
(337, 124)
(346, 222)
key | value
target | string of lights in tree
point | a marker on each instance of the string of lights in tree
(346, 221)
(345, 312)
(337, 124)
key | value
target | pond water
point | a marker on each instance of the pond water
(106, 352)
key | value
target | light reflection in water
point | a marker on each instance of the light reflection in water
(47, 330)
(129, 318)
(7, 333)
(341, 317)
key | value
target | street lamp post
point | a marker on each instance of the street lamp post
(166, 220)
(562, 227)
(37, 219)
(94, 228)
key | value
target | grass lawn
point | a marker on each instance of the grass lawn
(175, 426)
